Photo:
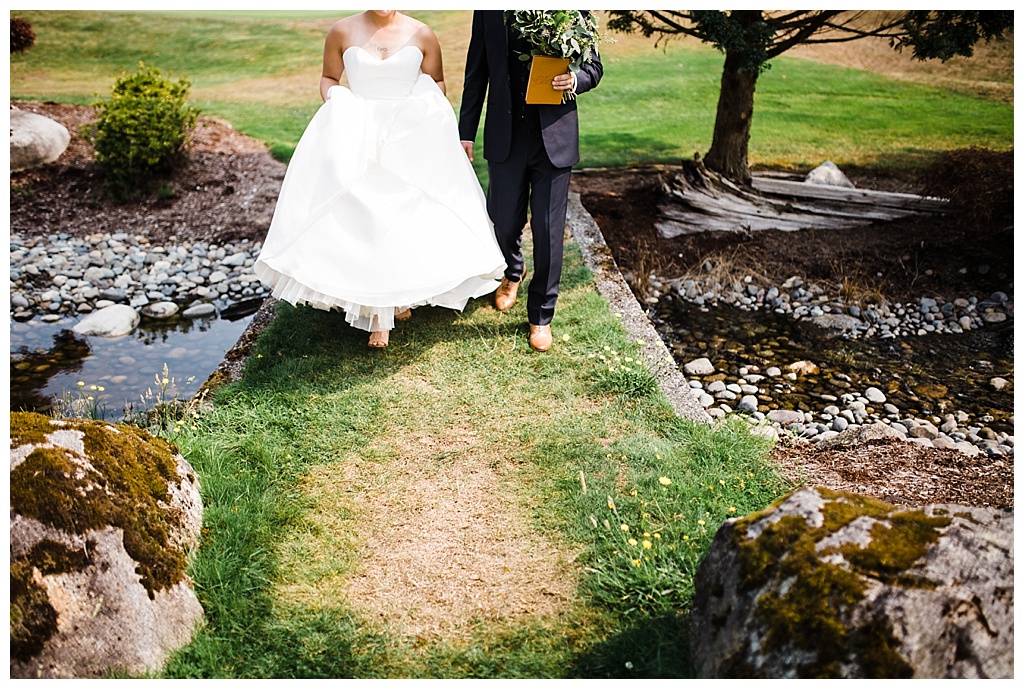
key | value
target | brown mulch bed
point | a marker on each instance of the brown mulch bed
(228, 191)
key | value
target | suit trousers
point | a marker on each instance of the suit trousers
(528, 178)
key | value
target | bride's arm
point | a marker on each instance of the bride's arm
(430, 47)
(333, 64)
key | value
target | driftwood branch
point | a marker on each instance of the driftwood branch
(696, 199)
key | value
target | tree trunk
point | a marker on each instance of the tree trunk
(728, 154)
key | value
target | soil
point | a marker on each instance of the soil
(227, 190)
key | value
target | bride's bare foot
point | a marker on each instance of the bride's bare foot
(403, 315)
(379, 339)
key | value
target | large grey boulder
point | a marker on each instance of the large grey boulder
(836, 585)
(35, 139)
(103, 518)
(111, 321)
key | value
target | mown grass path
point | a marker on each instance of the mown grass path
(456, 505)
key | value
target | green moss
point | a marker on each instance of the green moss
(33, 619)
(811, 614)
(31, 428)
(896, 546)
(131, 476)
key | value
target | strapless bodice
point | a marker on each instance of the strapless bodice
(389, 79)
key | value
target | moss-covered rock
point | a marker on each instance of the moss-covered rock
(102, 519)
(830, 585)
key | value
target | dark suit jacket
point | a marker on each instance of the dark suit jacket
(487, 73)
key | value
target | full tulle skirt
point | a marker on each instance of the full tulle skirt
(380, 211)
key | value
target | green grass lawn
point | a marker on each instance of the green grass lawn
(260, 71)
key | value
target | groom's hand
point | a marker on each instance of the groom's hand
(467, 146)
(564, 82)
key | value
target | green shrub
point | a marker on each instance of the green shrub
(22, 36)
(142, 130)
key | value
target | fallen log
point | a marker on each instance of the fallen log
(695, 199)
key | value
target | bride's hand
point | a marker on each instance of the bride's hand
(467, 146)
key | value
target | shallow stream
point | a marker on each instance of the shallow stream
(49, 361)
(930, 375)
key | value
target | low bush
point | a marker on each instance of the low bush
(142, 130)
(22, 36)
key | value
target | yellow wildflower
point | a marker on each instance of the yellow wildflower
(624, 527)
(732, 509)
(657, 536)
(80, 384)
(665, 481)
(701, 522)
(647, 544)
(631, 541)
(565, 337)
(636, 563)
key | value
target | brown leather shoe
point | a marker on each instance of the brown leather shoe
(540, 337)
(505, 295)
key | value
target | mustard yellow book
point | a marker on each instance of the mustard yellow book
(542, 70)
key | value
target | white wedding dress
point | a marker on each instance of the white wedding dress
(380, 208)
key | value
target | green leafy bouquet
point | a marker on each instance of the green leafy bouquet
(557, 33)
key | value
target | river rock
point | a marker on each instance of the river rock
(785, 416)
(803, 368)
(35, 140)
(699, 367)
(828, 173)
(103, 518)
(874, 395)
(748, 403)
(837, 585)
(199, 310)
(160, 310)
(858, 435)
(834, 324)
(112, 321)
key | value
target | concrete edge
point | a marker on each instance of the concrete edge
(597, 256)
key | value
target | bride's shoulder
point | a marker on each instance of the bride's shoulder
(423, 35)
(345, 25)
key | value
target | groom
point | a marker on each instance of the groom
(530, 151)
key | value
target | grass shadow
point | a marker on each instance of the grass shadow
(654, 648)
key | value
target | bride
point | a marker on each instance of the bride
(380, 210)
